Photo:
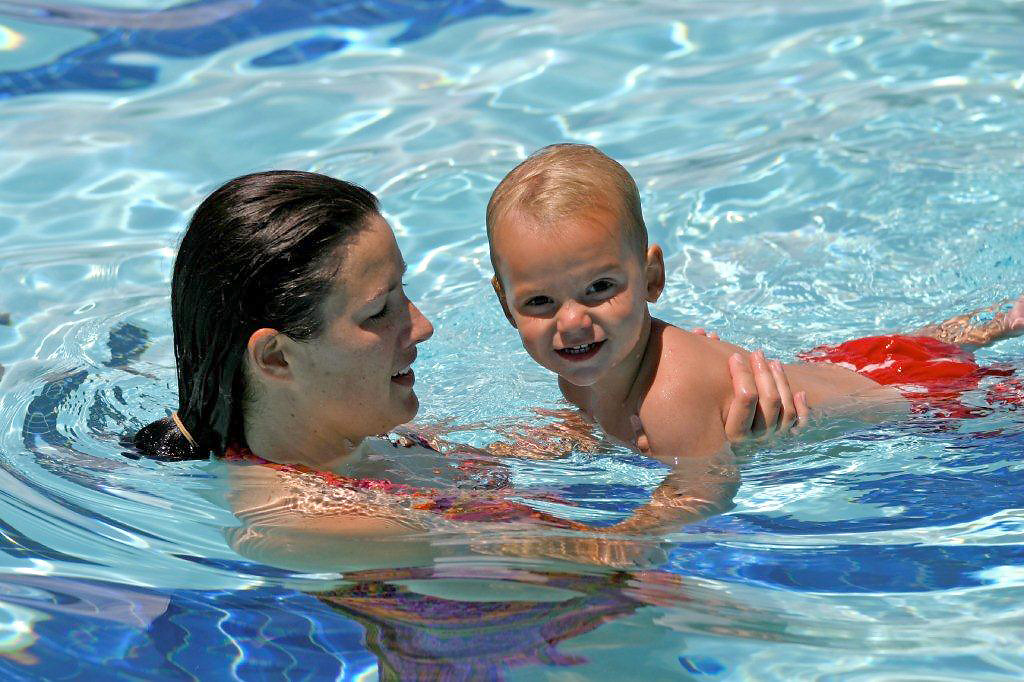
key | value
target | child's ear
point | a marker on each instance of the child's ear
(499, 291)
(655, 270)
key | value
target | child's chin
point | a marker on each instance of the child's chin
(581, 379)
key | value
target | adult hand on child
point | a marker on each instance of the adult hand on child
(763, 404)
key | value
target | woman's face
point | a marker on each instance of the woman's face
(354, 379)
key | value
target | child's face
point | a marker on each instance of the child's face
(577, 291)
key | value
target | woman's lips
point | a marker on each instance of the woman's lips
(406, 379)
(581, 352)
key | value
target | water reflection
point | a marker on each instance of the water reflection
(451, 622)
(419, 635)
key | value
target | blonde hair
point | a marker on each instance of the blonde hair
(561, 179)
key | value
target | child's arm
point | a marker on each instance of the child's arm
(689, 433)
(693, 491)
(685, 422)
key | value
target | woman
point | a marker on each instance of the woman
(294, 339)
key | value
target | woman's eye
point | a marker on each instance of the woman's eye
(379, 315)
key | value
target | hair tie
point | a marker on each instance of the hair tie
(181, 427)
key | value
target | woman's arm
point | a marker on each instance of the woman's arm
(283, 525)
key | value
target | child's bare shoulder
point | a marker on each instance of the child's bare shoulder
(689, 390)
(685, 358)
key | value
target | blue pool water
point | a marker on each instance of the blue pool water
(814, 171)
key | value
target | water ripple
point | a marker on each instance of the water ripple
(815, 171)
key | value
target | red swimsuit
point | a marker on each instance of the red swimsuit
(931, 373)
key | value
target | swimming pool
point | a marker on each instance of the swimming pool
(815, 171)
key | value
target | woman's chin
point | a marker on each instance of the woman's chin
(410, 406)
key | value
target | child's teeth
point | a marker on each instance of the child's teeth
(402, 371)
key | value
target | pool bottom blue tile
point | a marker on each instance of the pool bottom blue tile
(85, 630)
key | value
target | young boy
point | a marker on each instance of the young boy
(574, 274)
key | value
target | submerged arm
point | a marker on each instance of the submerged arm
(694, 490)
(313, 532)
(318, 534)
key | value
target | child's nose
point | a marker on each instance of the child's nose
(572, 317)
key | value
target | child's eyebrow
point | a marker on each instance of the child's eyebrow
(605, 268)
(529, 289)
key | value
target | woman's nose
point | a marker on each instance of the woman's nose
(421, 327)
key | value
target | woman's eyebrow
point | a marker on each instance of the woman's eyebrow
(384, 292)
(401, 275)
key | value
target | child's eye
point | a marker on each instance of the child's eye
(601, 286)
(537, 302)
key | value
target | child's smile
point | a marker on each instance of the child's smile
(580, 353)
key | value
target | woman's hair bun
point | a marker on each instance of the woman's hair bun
(162, 440)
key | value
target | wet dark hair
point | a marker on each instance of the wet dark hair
(257, 253)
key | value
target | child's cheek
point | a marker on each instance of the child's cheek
(619, 308)
(529, 334)
(536, 339)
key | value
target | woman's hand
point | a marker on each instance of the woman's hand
(763, 404)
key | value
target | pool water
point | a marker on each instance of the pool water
(815, 171)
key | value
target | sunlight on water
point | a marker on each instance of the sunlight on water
(814, 171)
(16, 634)
(10, 39)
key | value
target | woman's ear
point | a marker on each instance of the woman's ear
(655, 271)
(499, 291)
(267, 355)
